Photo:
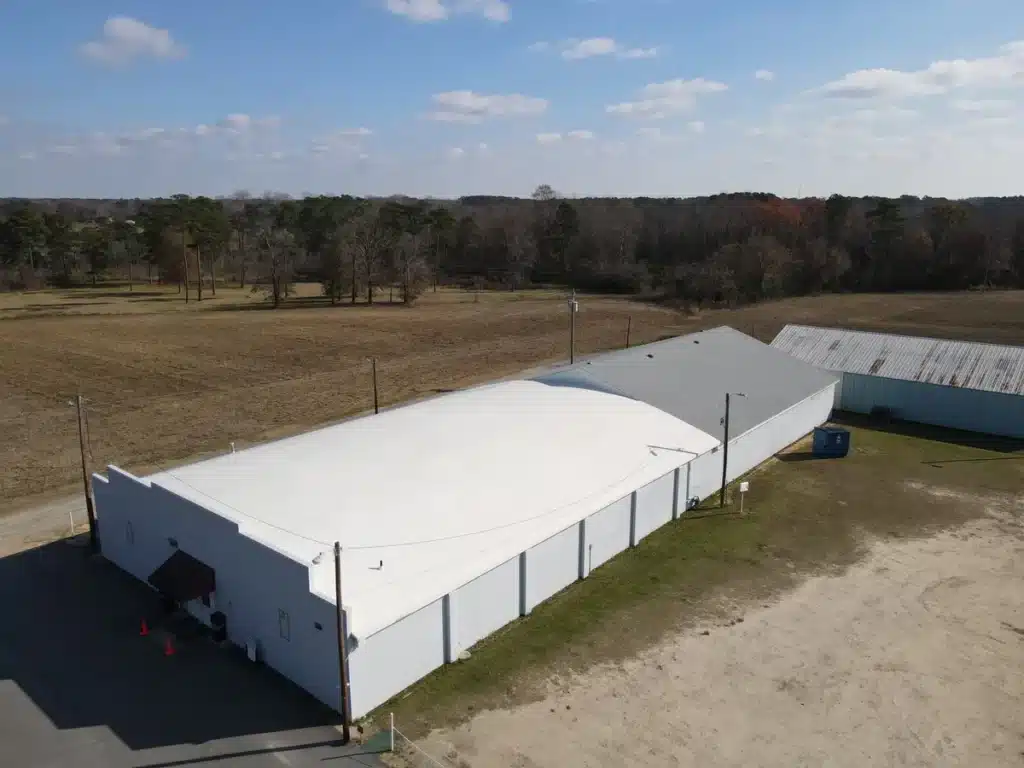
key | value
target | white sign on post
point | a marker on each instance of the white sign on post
(744, 487)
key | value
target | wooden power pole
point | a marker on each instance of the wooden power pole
(376, 401)
(89, 508)
(342, 648)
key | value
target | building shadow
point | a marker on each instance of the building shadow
(798, 456)
(70, 641)
(928, 432)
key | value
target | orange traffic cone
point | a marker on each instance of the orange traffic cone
(143, 629)
(169, 647)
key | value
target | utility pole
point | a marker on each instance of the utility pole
(184, 261)
(342, 647)
(89, 508)
(725, 447)
(629, 328)
(376, 401)
(573, 309)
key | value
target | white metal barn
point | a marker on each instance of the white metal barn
(958, 384)
(456, 515)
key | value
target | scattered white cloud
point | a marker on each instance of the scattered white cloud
(594, 46)
(1004, 70)
(138, 137)
(355, 132)
(236, 123)
(455, 153)
(27, 156)
(554, 138)
(320, 149)
(419, 10)
(575, 49)
(639, 53)
(63, 149)
(697, 126)
(470, 107)
(440, 10)
(658, 100)
(203, 130)
(483, 148)
(982, 105)
(4, 120)
(125, 39)
(765, 75)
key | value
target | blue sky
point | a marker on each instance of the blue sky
(451, 97)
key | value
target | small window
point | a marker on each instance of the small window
(318, 625)
(129, 533)
(284, 624)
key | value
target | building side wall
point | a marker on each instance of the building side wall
(391, 660)
(767, 439)
(264, 595)
(654, 503)
(607, 533)
(551, 566)
(757, 445)
(487, 603)
(706, 474)
(953, 407)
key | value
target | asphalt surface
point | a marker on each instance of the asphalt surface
(79, 686)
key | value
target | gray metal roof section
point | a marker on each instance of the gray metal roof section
(967, 364)
(688, 377)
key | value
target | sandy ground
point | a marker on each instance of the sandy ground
(914, 657)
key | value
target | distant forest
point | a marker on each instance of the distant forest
(727, 249)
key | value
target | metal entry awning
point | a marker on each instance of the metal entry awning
(183, 578)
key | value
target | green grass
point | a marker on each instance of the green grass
(804, 516)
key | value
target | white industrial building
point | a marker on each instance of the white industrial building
(957, 384)
(455, 515)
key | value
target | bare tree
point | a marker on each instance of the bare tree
(370, 240)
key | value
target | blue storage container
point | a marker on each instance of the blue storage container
(831, 442)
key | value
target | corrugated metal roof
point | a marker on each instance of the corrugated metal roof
(967, 364)
(688, 377)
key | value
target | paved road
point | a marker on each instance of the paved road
(79, 687)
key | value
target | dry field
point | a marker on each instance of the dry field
(167, 382)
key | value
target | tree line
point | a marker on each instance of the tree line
(732, 249)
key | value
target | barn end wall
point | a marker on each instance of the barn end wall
(264, 595)
(973, 410)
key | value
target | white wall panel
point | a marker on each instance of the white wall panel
(654, 505)
(957, 408)
(607, 533)
(486, 604)
(706, 474)
(391, 660)
(551, 566)
(683, 490)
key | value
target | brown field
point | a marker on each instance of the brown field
(167, 382)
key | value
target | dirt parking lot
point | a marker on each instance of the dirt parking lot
(868, 611)
(913, 657)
